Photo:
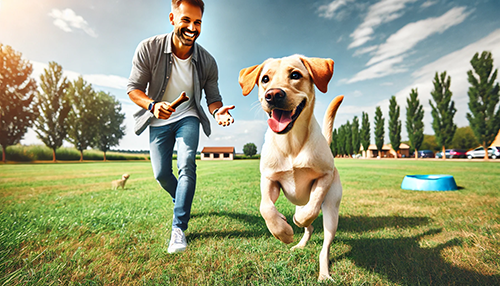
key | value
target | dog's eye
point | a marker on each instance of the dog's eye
(265, 79)
(295, 75)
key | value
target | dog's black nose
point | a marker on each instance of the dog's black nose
(275, 96)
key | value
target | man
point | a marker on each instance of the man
(167, 65)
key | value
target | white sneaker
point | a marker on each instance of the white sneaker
(177, 241)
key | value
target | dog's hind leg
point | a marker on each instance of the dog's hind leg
(330, 208)
(307, 235)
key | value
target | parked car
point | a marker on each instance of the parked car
(493, 153)
(452, 153)
(425, 154)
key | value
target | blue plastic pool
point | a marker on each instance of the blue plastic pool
(429, 183)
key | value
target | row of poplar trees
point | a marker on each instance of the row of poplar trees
(57, 109)
(484, 115)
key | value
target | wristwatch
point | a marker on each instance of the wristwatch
(215, 111)
(151, 106)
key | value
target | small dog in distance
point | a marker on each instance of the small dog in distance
(120, 183)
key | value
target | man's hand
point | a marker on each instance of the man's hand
(163, 110)
(223, 117)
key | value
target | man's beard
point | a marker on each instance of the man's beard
(185, 40)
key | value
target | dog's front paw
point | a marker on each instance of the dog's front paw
(280, 228)
(325, 277)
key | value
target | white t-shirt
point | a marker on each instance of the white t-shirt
(181, 79)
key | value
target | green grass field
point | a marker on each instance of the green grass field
(62, 224)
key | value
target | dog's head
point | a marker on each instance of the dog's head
(286, 87)
(125, 176)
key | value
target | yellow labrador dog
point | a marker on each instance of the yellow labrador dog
(296, 157)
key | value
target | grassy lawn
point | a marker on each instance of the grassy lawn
(62, 224)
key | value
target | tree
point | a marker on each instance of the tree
(333, 144)
(464, 139)
(51, 125)
(379, 129)
(109, 122)
(429, 143)
(249, 149)
(17, 94)
(484, 118)
(415, 121)
(394, 124)
(348, 139)
(341, 141)
(356, 144)
(82, 119)
(443, 111)
(365, 132)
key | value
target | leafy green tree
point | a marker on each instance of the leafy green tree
(394, 124)
(429, 143)
(415, 121)
(484, 118)
(379, 130)
(109, 122)
(348, 139)
(464, 139)
(51, 125)
(443, 111)
(82, 119)
(356, 143)
(365, 132)
(333, 144)
(249, 149)
(341, 141)
(17, 93)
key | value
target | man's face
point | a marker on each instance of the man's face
(187, 23)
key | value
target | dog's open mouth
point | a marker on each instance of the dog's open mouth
(281, 121)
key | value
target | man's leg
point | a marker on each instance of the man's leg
(187, 137)
(161, 144)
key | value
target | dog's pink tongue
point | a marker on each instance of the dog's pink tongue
(279, 120)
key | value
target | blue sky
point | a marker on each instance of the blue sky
(380, 48)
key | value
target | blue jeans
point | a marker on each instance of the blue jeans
(186, 132)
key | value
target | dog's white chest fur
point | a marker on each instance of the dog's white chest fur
(296, 173)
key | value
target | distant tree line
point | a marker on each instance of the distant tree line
(57, 109)
(483, 117)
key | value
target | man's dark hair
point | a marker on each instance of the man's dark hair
(198, 3)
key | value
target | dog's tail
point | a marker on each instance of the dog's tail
(331, 111)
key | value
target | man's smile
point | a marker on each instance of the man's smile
(189, 34)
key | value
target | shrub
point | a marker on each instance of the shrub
(21, 153)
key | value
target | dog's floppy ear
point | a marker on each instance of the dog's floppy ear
(321, 71)
(249, 78)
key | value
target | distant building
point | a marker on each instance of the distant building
(217, 153)
(497, 140)
(387, 151)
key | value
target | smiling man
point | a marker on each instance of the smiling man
(163, 67)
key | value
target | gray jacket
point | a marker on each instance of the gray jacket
(151, 69)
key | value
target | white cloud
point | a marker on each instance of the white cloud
(379, 70)
(428, 3)
(388, 56)
(329, 11)
(411, 34)
(112, 81)
(67, 20)
(382, 12)
(366, 50)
